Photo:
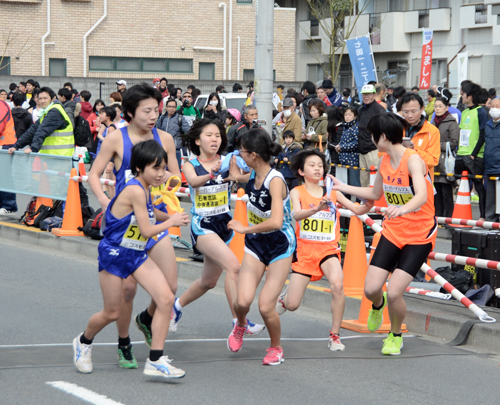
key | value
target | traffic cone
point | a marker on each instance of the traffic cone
(463, 208)
(43, 189)
(355, 265)
(73, 212)
(81, 166)
(361, 324)
(373, 174)
(237, 244)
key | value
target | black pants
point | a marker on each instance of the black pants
(491, 200)
(474, 167)
(443, 199)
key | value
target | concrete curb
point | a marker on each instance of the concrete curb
(437, 318)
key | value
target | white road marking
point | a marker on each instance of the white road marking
(83, 393)
(378, 335)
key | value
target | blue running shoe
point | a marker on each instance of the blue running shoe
(175, 317)
(253, 328)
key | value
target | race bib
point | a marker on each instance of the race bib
(128, 175)
(256, 216)
(211, 200)
(464, 137)
(319, 227)
(132, 239)
(396, 195)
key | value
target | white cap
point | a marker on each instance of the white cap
(121, 82)
(368, 88)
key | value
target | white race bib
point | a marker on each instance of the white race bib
(211, 200)
(464, 137)
(128, 175)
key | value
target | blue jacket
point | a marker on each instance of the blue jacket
(287, 152)
(349, 152)
(335, 98)
(171, 125)
(492, 148)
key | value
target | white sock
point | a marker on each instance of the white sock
(177, 306)
(235, 320)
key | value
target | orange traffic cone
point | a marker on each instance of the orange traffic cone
(463, 208)
(81, 166)
(43, 189)
(237, 244)
(355, 265)
(373, 174)
(73, 212)
(360, 324)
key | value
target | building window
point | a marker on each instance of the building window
(152, 65)
(248, 74)
(5, 66)
(315, 72)
(423, 19)
(207, 71)
(57, 67)
(244, 1)
(481, 14)
(375, 29)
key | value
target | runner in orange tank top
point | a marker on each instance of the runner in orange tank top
(318, 237)
(409, 228)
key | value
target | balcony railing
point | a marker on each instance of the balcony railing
(481, 14)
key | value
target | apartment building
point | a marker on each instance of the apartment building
(188, 40)
(395, 28)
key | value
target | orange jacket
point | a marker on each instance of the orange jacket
(427, 143)
(7, 130)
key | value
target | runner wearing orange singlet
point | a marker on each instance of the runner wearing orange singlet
(409, 228)
(318, 237)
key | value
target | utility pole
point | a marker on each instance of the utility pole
(264, 49)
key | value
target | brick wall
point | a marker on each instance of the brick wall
(155, 29)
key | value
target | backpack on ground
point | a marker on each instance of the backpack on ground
(29, 214)
(81, 131)
(45, 212)
(50, 223)
(92, 227)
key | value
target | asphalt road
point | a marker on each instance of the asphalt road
(47, 297)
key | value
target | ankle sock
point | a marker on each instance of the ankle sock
(154, 355)
(400, 334)
(145, 318)
(123, 341)
(381, 305)
(84, 340)
(177, 305)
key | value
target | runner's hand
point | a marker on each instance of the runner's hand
(236, 226)
(216, 167)
(392, 212)
(179, 219)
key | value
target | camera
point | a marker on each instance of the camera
(258, 123)
(186, 103)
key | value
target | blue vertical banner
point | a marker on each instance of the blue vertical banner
(361, 56)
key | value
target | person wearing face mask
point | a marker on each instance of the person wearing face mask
(291, 119)
(213, 109)
(449, 133)
(492, 159)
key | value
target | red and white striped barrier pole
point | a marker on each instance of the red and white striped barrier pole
(483, 316)
(433, 294)
(464, 260)
(454, 221)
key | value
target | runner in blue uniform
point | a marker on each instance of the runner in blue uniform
(269, 242)
(211, 196)
(140, 109)
(130, 222)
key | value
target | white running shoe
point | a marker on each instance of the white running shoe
(163, 368)
(4, 211)
(82, 356)
(334, 343)
(254, 328)
(280, 304)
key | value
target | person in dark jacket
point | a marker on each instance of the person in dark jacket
(237, 130)
(65, 97)
(290, 149)
(175, 125)
(450, 133)
(22, 118)
(492, 159)
(213, 109)
(348, 145)
(368, 153)
(309, 92)
(335, 119)
(333, 95)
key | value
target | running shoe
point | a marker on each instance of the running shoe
(280, 304)
(126, 357)
(235, 339)
(175, 317)
(334, 343)
(392, 345)
(253, 328)
(274, 357)
(376, 316)
(474, 197)
(3, 211)
(163, 368)
(144, 329)
(82, 356)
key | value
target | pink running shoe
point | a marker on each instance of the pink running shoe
(235, 339)
(334, 343)
(274, 357)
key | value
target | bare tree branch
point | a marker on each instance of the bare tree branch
(9, 41)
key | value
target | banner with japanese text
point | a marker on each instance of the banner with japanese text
(426, 66)
(361, 57)
(463, 59)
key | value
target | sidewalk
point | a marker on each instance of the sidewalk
(433, 317)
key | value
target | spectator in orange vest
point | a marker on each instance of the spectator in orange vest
(8, 204)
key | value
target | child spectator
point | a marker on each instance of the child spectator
(290, 148)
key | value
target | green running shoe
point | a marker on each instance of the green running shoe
(126, 357)
(376, 316)
(144, 329)
(392, 345)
